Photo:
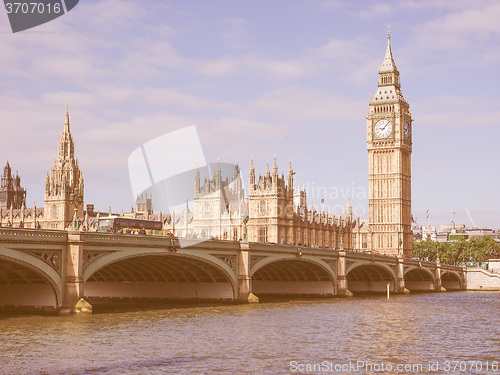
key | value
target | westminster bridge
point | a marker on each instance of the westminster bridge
(51, 270)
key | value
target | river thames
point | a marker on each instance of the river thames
(408, 334)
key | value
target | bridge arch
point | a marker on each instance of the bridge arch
(451, 280)
(370, 277)
(26, 280)
(292, 275)
(157, 274)
(419, 279)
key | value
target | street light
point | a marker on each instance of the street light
(341, 233)
(76, 198)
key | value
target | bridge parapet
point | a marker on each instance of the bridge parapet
(32, 235)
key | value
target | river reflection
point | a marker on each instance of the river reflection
(268, 338)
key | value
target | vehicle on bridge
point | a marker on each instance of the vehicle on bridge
(127, 225)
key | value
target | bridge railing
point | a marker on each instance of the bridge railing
(32, 235)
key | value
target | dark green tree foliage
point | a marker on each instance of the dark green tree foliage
(478, 249)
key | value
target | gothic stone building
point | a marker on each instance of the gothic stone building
(64, 182)
(65, 179)
(389, 143)
(11, 192)
(219, 208)
(276, 215)
(273, 212)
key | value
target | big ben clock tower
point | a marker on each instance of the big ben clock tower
(389, 144)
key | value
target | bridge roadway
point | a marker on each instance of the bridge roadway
(51, 270)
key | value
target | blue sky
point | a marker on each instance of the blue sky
(291, 78)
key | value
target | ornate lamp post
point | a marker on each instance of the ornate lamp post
(341, 233)
(76, 198)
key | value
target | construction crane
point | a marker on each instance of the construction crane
(474, 226)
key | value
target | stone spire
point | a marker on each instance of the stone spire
(349, 211)
(218, 177)
(388, 65)
(11, 191)
(236, 172)
(196, 181)
(275, 173)
(389, 86)
(7, 171)
(252, 175)
(64, 179)
(275, 167)
(66, 121)
(290, 176)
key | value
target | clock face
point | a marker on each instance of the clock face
(383, 128)
(406, 129)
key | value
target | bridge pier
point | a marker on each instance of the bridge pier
(341, 275)
(244, 279)
(438, 286)
(400, 276)
(72, 288)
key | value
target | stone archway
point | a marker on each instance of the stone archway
(370, 277)
(293, 276)
(419, 279)
(159, 276)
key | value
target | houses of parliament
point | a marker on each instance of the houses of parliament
(275, 210)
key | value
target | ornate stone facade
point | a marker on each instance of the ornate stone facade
(219, 209)
(64, 182)
(278, 213)
(273, 212)
(389, 170)
(11, 192)
(60, 186)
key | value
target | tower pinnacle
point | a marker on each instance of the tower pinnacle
(66, 121)
(388, 65)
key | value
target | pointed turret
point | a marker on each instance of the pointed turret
(251, 176)
(349, 211)
(64, 177)
(7, 170)
(218, 177)
(236, 172)
(66, 121)
(196, 181)
(388, 65)
(389, 86)
(275, 173)
(290, 177)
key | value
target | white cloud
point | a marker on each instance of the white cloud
(378, 10)
(454, 111)
(461, 29)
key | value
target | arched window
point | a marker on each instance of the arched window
(263, 207)
(53, 212)
(207, 210)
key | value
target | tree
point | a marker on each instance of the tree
(476, 249)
